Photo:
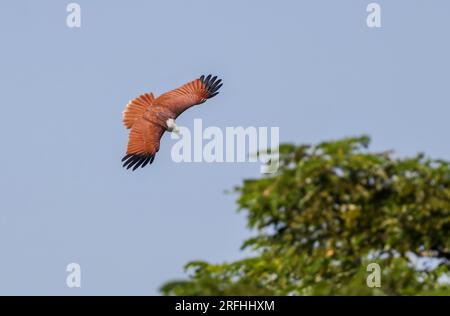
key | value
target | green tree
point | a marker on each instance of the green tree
(329, 211)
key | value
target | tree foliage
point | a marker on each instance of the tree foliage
(329, 211)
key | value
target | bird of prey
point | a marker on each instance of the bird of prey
(149, 117)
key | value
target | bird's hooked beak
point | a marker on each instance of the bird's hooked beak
(176, 130)
(173, 127)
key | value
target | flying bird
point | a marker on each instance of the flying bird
(149, 117)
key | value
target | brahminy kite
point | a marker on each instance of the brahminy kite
(149, 117)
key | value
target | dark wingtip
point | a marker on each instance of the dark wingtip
(126, 157)
(137, 160)
(212, 84)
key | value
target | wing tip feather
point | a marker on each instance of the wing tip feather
(137, 160)
(212, 84)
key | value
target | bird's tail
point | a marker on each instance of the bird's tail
(135, 108)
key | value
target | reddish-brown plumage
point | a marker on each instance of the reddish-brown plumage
(147, 117)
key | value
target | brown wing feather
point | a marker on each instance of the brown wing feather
(143, 143)
(192, 93)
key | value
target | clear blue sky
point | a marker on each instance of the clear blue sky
(313, 68)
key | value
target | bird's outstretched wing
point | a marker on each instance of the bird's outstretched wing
(143, 143)
(192, 93)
